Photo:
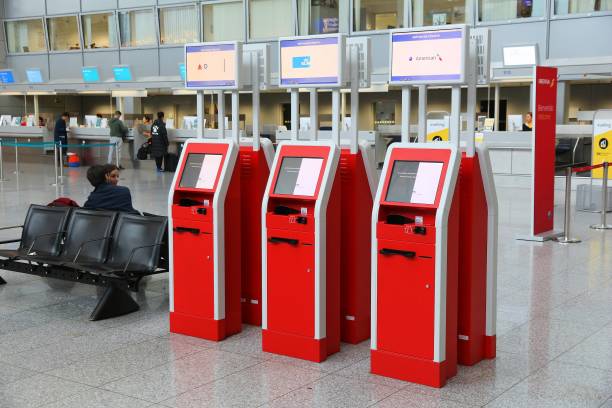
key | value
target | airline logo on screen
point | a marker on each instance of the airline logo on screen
(300, 62)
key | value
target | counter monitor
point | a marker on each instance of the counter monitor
(7, 77)
(212, 66)
(122, 73)
(310, 62)
(426, 57)
(201, 171)
(298, 176)
(90, 74)
(414, 182)
(34, 75)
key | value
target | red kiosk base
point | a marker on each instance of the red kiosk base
(355, 247)
(411, 369)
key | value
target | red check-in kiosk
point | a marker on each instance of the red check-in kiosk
(301, 256)
(415, 222)
(204, 208)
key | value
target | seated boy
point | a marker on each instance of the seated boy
(107, 195)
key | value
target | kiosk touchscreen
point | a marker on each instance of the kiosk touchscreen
(414, 264)
(301, 260)
(204, 204)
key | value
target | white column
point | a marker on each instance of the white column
(314, 114)
(496, 107)
(256, 100)
(199, 113)
(406, 114)
(422, 113)
(336, 116)
(236, 117)
(221, 109)
(295, 113)
(455, 121)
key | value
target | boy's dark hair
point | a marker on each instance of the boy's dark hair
(160, 115)
(118, 113)
(109, 167)
(96, 175)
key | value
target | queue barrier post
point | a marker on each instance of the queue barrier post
(16, 157)
(604, 200)
(567, 221)
(55, 156)
(61, 160)
(1, 164)
(116, 154)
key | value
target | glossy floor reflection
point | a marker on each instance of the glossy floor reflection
(554, 332)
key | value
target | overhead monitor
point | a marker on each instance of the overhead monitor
(213, 65)
(520, 56)
(201, 171)
(122, 73)
(298, 176)
(34, 75)
(428, 56)
(414, 182)
(311, 62)
(90, 74)
(182, 71)
(6, 76)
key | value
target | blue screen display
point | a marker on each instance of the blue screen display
(6, 77)
(122, 73)
(91, 74)
(34, 76)
(183, 71)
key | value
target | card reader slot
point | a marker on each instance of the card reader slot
(195, 231)
(279, 240)
(390, 251)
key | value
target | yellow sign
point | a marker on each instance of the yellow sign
(437, 130)
(602, 150)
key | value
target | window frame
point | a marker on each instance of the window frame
(117, 36)
(249, 39)
(554, 16)
(406, 20)
(45, 35)
(79, 32)
(245, 16)
(199, 22)
(515, 20)
(155, 23)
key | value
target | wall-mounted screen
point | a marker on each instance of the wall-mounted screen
(298, 176)
(425, 57)
(201, 171)
(311, 62)
(520, 56)
(90, 74)
(414, 182)
(212, 65)
(182, 71)
(122, 73)
(34, 75)
(6, 76)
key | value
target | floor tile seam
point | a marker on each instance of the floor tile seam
(605, 402)
(125, 395)
(518, 383)
(560, 361)
(295, 389)
(31, 373)
(387, 397)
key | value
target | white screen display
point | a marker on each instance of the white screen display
(309, 62)
(414, 182)
(201, 171)
(298, 176)
(520, 56)
(211, 66)
(428, 56)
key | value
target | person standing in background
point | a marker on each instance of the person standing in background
(159, 141)
(118, 131)
(528, 125)
(60, 134)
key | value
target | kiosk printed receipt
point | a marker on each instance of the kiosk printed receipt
(414, 182)
(201, 171)
(298, 176)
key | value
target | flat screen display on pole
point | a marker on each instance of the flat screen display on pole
(428, 57)
(311, 62)
(212, 65)
(298, 176)
(414, 182)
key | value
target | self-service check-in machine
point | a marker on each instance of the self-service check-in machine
(301, 215)
(415, 224)
(204, 207)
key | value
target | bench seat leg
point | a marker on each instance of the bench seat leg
(114, 302)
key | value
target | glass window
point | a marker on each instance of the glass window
(581, 6)
(137, 28)
(438, 12)
(223, 21)
(63, 33)
(25, 36)
(270, 18)
(178, 25)
(318, 16)
(378, 14)
(99, 30)
(495, 10)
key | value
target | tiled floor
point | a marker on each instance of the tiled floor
(554, 332)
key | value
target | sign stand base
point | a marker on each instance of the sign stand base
(545, 236)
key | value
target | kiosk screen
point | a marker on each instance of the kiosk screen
(200, 171)
(298, 176)
(414, 182)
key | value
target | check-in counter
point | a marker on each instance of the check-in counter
(97, 154)
(27, 134)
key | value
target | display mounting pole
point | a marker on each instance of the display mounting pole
(406, 114)
(354, 131)
(256, 107)
(236, 117)
(422, 114)
(470, 150)
(314, 113)
(295, 113)
(221, 110)
(336, 116)
(455, 123)
(200, 113)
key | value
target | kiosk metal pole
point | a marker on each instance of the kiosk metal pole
(1, 164)
(604, 200)
(295, 113)
(455, 122)
(470, 150)
(256, 100)
(422, 135)
(354, 131)
(236, 117)
(16, 158)
(567, 222)
(221, 109)
(200, 113)
(336, 116)
(314, 113)
(406, 114)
